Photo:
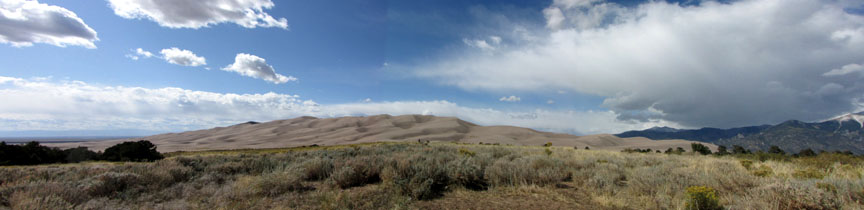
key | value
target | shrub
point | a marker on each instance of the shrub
(132, 151)
(466, 152)
(736, 149)
(469, 173)
(272, 184)
(357, 172)
(112, 183)
(776, 150)
(700, 148)
(420, 177)
(548, 151)
(806, 153)
(547, 144)
(702, 198)
(748, 164)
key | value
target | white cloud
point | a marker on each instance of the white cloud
(139, 53)
(510, 99)
(42, 104)
(256, 67)
(182, 57)
(847, 69)
(550, 101)
(713, 64)
(200, 13)
(24, 22)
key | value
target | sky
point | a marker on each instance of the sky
(574, 66)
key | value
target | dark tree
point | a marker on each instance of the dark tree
(29, 154)
(806, 153)
(776, 150)
(586, 148)
(739, 150)
(79, 154)
(721, 150)
(132, 151)
(679, 150)
(701, 149)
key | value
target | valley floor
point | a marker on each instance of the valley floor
(437, 176)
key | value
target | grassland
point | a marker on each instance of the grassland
(438, 176)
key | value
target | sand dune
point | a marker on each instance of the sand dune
(350, 130)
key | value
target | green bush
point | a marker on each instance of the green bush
(702, 198)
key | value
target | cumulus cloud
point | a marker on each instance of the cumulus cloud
(43, 104)
(182, 57)
(712, 64)
(24, 22)
(510, 99)
(200, 13)
(139, 53)
(256, 67)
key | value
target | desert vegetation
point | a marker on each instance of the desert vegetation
(32, 153)
(440, 176)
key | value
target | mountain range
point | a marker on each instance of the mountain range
(844, 133)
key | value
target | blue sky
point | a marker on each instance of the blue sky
(578, 66)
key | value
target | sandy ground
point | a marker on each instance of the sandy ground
(350, 130)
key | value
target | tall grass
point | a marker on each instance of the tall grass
(409, 176)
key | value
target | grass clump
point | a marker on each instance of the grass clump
(702, 198)
(317, 169)
(808, 174)
(763, 171)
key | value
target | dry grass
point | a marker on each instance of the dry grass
(437, 176)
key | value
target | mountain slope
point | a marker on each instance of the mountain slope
(839, 134)
(348, 130)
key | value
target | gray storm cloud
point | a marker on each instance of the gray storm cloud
(714, 64)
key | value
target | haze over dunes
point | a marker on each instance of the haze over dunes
(379, 128)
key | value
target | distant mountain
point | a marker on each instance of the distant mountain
(839, 134)
(703, 134)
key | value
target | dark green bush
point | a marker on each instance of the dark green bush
(700, 148)
(132, 151)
